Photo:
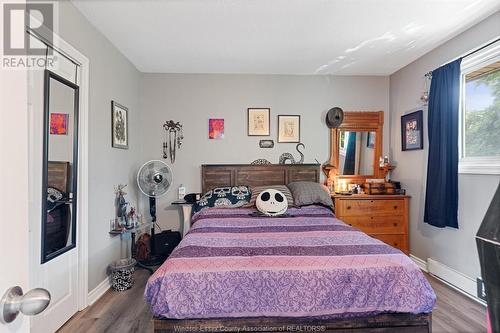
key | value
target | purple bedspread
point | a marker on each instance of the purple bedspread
(307, 265)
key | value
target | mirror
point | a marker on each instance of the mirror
(60, 160)
(355, 147)
(356, 152)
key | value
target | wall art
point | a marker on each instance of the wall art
(266, 143)
(216, 129)
(258, 121)
(289, 128)
(412, 131)
(119, 125)
(59, 123)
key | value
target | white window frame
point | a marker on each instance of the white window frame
(476, 165)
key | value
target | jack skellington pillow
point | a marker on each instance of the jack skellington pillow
(272, 202)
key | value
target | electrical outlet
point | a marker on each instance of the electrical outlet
(481, 291)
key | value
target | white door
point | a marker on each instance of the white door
(21, 114)
(59, 275)
(14, 240)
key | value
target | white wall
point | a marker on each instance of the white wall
(454, 248)
(193, 99)
(112, 77)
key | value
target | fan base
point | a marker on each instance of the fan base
(153, 260)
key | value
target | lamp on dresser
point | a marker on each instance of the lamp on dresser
(355, 151)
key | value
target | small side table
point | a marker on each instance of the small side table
(186, 215)
(132, 232)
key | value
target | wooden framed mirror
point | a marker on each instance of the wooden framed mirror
(356, 147)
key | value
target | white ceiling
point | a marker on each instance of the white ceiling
(343, 37)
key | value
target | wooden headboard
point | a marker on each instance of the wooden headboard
(59, 175)
(217, 175)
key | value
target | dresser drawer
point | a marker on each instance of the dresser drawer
(377, 224)
(369, 207)
(397, 241)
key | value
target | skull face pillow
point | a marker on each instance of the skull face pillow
(271, 202)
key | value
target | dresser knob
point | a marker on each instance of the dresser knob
(348, 207)
(395, 207)
(395, 224)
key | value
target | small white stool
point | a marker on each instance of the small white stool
(186, 215)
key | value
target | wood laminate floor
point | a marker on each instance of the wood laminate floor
(126, 312)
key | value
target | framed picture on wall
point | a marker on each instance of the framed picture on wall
(59, 123)
(289, 128)
(215, 128)
(412, 131)
(119, 126)
(258, 121)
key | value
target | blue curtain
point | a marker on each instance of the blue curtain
(350, 155)
(441, 197)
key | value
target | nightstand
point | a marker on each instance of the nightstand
(186, 215)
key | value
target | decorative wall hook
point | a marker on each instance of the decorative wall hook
(425, 95)
(173, 139)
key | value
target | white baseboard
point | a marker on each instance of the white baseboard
(98, 291)
(422, 264)
(451, 277)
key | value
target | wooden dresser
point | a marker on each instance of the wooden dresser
(384, 217)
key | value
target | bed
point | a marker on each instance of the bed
(308, 271)
(59, 213)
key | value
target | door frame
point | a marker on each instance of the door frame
(63, 47)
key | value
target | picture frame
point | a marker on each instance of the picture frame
(258, 121)
(59, 123)
(266, 144)
(412, 131)
(119, 126)
(289, 128)
(216, 128)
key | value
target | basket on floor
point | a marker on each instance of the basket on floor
(122, 274)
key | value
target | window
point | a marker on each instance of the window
(480, 115)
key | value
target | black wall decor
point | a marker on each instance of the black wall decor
(412, 131)
(174, 135)
(266, 143)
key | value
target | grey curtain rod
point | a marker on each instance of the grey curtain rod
(428, 75)
(482, 47)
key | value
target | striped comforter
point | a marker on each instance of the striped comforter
(306, 265)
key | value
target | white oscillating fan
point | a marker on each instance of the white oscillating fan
(154, 180)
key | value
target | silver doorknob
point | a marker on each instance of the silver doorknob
(30, 304)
